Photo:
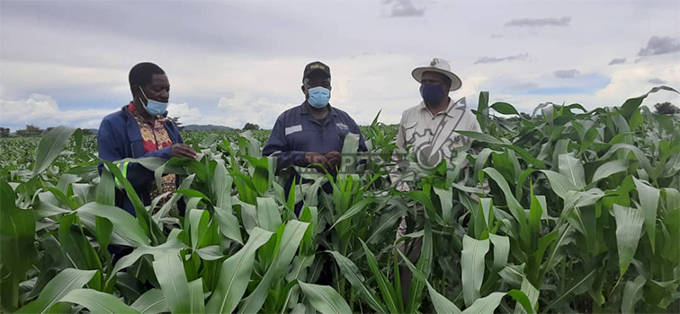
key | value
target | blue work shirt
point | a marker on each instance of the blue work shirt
(296, 132)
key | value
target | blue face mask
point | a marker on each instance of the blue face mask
(154, 108)
(433, 94)
(318, 96)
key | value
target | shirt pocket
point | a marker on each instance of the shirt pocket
(302, 140)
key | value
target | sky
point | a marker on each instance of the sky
(232, 62)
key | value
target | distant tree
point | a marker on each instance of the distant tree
(31, 130)
(4, 132)
(251, 126)
(666, 108)
(176, 121)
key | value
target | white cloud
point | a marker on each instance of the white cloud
(540, 22)
(43, 110)
(185, 113)
(567, 73)
(243, 107)
(633, 80)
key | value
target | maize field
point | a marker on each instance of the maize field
(561, 210)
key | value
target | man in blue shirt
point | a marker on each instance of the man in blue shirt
(311, 134)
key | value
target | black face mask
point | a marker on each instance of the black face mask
(433, 94)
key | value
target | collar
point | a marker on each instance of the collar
(458, 105)
(304, 110)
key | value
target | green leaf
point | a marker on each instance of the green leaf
(628, 228)
(501, 250)
(572, 168)
(165, 209)
(97, 302)
(531, 294)
(143, 219)
(106, 189)
(487, 304)
(169, 271)
(632, 105)
(523, 304)
(50, 146)
(221, 186)
(268, 214)
(472, 267)
(198, 225)
(235, 274)
(482, 137)
(229, 224)
(639, 155)
(190, 193)
(387, 220)
(609, 168)
(125, 224)
(483, 110)
(103, 232)
(210, 253)
(171, 246)
(515, 207)
(355, 209)
(67, 280)
(424, 266)
(649, 202)
(196, 296)
(324, 298)
(290, 241)
(75, 244)
(559, 299)
(504, 108)
(353, 275)
(389, 295)
(528, 157)
(560, 184)
(588, 139)
(151, 302)
(441, 304)
(480, 161)
(632, 293)
(446, 201)
(17, 233)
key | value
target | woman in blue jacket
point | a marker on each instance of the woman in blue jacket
(142, 129)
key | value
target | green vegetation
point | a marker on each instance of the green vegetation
(564, 210)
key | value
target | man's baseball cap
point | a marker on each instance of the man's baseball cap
(316, 67)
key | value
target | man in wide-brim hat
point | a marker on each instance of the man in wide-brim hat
(429, 129)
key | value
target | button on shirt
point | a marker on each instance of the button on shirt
(296, 132)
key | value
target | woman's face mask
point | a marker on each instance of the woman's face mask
(153, 107)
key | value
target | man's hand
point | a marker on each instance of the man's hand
(316, 158)
(334, 161)
(182, 151)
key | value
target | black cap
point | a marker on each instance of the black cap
(314, 67)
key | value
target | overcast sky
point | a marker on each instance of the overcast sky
(232, 62)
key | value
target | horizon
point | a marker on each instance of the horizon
(66, 63)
